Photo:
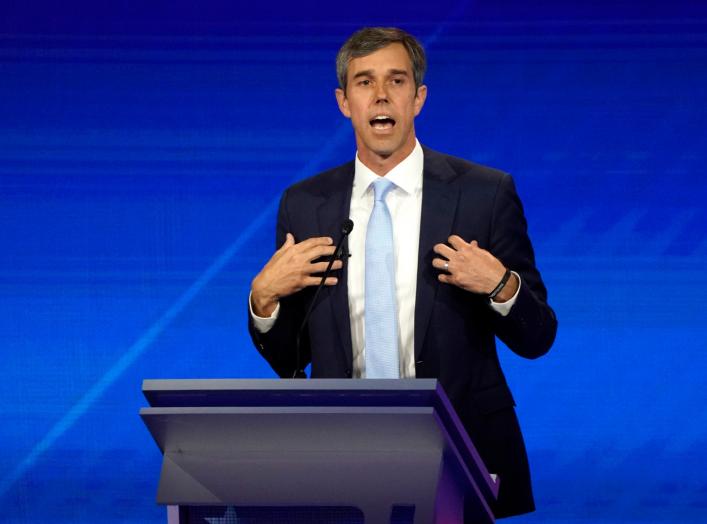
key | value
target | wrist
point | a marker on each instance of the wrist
(262, 302)
(508, 290)
(500, 283)
(264, 307)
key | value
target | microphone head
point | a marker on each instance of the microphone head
(346, 226)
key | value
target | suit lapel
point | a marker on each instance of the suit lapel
(439, 205)
(331, 213)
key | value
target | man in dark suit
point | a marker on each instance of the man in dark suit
(460, 264)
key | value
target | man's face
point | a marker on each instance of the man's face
(382, 103)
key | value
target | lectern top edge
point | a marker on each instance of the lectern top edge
(315, 384)
(271, 392)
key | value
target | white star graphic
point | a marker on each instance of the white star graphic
(229, 517)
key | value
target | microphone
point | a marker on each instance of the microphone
(346, 228)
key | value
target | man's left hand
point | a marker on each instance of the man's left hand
(472, 268)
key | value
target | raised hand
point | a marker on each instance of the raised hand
(289, 270)
(466, 265)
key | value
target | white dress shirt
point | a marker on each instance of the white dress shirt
(404, 202)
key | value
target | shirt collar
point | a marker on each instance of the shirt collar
(407, 175)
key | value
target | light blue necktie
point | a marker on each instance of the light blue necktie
(381, 311)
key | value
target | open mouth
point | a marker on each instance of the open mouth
(382, 122)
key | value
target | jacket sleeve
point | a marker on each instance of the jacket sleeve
(530, 327)
(278, 345)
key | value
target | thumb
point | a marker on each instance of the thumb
(289, 240)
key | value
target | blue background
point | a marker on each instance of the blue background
(143, 149)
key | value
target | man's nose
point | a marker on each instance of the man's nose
(381, 93)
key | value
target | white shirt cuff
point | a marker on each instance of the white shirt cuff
(503, 308)
(263, 324)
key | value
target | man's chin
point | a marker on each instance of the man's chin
(386, 153)
(385, 147)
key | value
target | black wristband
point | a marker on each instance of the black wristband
(500, 285)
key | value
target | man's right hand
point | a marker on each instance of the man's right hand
(289, 270)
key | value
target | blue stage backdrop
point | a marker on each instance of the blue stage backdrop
(142, 153)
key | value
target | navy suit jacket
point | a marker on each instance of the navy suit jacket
(455, 330)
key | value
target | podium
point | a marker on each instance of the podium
(319, 450)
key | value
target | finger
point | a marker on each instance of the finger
(444, 250)
(320, 267)
(475, 246)
(444, 278)
(440, 263)
(338, 264)
(457, 242)
(484, 253)
(315, 241)
(289, 242)
(315, 281)
(315, 252)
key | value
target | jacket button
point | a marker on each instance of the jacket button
(348, 373)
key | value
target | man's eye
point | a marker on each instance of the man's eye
(364, 82)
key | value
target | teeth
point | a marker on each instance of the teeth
(382, 117)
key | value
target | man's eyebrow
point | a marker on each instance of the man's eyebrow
(370, 73)
(367, 72)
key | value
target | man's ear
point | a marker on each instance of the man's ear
(343, 102)
(420, 98)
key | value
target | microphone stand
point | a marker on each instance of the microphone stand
(346, 228)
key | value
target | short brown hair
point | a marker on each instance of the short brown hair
(369, 40)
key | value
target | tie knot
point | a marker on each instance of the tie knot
(381, 188)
